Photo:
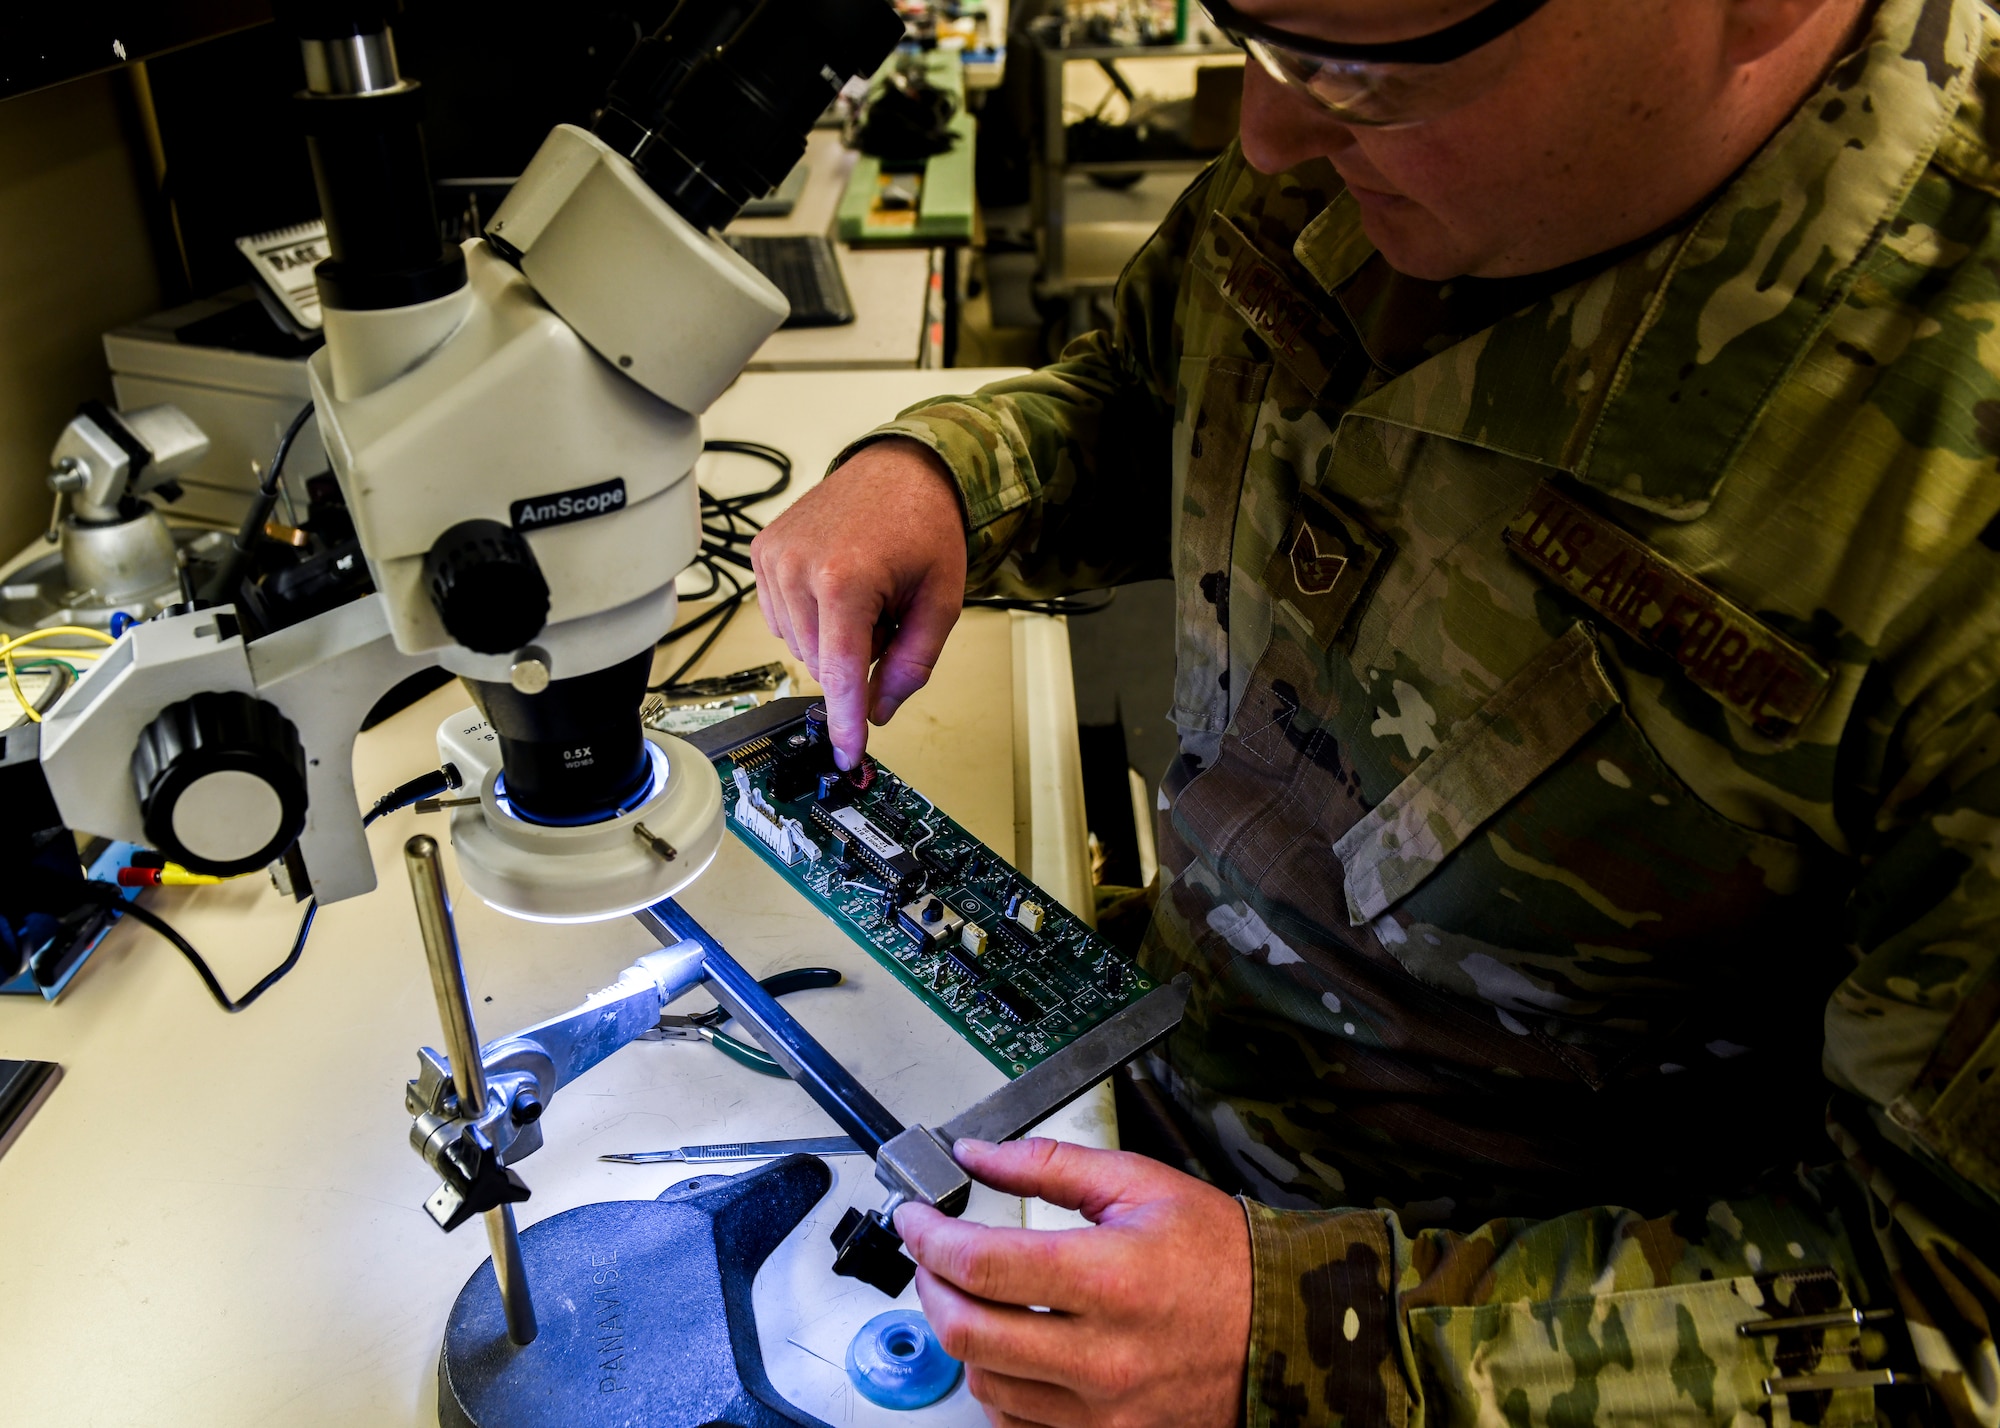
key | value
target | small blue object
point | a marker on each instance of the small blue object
(50, 968)
(120, 623)
(897, 1362)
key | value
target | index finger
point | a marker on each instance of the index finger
(1056, 1269)
(847, 616)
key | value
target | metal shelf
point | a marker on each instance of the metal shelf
(1052, 161)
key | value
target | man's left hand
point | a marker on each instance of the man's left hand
(1149, 1308)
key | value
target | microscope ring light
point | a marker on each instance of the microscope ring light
(584, 872)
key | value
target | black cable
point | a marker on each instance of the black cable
(269, 485)
(221, 586)
(1054, 605)
(166, 929)
(726, 523)
(428, 785)
(402, 796)
(673, 680)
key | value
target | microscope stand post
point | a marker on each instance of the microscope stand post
(461, 1040)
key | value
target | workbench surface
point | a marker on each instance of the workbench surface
(217, 1220)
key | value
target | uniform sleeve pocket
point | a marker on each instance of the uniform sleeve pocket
(1661, 1357)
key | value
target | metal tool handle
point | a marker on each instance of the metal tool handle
(461, 1043)
(823, 1078)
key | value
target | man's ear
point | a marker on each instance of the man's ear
(1759, 28)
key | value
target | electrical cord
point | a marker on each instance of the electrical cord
(727, 528)
(221, 586)
(425, 786)
(1055, 605)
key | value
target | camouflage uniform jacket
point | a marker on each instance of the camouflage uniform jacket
(1590, 704)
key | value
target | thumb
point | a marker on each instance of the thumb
(1094, 1182)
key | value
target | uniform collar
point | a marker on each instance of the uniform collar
(1646, 379)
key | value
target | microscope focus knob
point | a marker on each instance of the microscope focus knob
(221, 780)
(486, 587)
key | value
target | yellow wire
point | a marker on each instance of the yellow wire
(14, 683)
(36, 637)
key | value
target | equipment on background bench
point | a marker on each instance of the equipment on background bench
(807, 272)
(114, 553)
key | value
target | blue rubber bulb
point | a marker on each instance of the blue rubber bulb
(897, 1362)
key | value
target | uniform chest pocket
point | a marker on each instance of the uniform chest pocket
(1221, 398)
(1546, 860)
(1543, 860)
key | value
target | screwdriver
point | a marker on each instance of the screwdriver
(741, 1150)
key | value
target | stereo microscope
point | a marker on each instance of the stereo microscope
(514, 427)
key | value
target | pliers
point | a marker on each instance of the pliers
(706, 1026)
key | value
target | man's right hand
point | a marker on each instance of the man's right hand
(867, 568)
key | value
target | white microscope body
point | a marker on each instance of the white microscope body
(514, 427)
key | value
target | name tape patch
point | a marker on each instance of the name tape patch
(1301, 336)
(1772, 683)
(538, 512)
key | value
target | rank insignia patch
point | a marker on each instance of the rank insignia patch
(1754, 671)
(1327, 562)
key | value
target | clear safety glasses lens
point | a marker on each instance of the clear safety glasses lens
(1376, 95)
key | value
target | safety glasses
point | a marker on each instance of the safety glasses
(1390, 85)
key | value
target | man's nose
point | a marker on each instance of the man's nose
(1282, 129)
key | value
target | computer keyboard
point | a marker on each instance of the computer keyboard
(806, 271)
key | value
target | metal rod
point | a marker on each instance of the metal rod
(511, 1274)
(468, 1072)
(461, 1040)
(1799, 1323)
(822, 1077)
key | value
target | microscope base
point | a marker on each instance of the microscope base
(645, 1312)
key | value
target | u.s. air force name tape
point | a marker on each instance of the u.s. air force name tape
(1752, 669)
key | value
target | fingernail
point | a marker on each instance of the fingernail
(841, 760)
(966, 1145)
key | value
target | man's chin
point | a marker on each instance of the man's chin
(1414, 243)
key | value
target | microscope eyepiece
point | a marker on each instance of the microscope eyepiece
(713, 108)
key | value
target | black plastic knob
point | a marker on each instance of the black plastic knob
(487, 587)
(867, 1248)
(221, 780)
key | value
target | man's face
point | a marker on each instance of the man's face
(1600, 128)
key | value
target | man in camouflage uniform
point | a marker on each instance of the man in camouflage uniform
(1589, 688)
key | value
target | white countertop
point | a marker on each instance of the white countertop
(217, 1220)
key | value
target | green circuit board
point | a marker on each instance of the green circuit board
(875, 856)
